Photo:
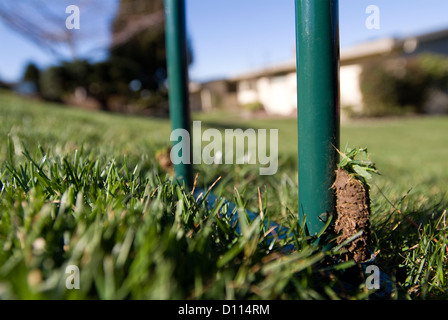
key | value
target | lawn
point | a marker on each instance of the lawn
(84, 188)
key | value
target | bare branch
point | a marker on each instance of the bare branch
(43, 23)
(136, 25)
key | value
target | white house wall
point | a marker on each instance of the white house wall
(247, 92)
(265, 91)
(349, 82)
(277, 94)
(282, 96)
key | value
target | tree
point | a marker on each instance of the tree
(135, 69)
(51, 83)
(138, 43)
(32, 76)
(138, 47)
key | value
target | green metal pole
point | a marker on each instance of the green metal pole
(176, 47)
(317, 38)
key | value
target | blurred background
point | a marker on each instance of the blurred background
(241, 55)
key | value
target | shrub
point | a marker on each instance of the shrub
(253, 107)
(399, 86)
(436, 66)
(51, 83)
(32, 75)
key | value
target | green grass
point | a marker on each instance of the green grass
(84, 188)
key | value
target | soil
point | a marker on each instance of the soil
(164, 159)
(353, 209)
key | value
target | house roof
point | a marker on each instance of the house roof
(355, 54)
(432, 36)
(370, 49)
(285, 67)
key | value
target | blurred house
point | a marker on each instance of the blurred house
(210, 95)
(276, 87)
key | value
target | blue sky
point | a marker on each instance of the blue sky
(233, 36)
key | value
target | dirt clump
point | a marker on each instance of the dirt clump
(353, 213)
(163, 156)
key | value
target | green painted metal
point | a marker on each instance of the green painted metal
(176, 46)
(317, 38)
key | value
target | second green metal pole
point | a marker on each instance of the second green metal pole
(317, 39)
(176, 47)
